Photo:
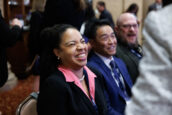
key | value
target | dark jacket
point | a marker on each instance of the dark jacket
(8, 37)
(63, 12)
(58, 97)
(131, 60)
(36, 23)
(106, 15)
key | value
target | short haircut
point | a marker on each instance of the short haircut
(166, 2)
(92, 26)
(101, 3)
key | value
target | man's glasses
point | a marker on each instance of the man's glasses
(128, 26)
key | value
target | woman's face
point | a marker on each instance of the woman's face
(73, 49)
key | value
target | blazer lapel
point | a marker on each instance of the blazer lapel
(130, 55)
(83, 98)
(107, 74)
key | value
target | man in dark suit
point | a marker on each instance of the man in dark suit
(8, 38)
(155, 6)
(117, 80)
(128, 48)
(104, 13)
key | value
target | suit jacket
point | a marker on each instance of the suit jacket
(114, 96)
(131, 61)
(58, 97)
(152, 93)
(8, 37)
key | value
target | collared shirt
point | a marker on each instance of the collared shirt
(105, 60)
(71, 77)
(107, 63)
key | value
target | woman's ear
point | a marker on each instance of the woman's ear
(91, 42)
(56, 52)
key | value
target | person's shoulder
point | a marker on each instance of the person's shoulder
(56, 77)
(160, 13)
(156, 20)
(158, 23)
(121, 49)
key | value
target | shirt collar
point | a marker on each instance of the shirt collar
(105, 59)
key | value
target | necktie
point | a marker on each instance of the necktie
(117, 75)
(116, 70)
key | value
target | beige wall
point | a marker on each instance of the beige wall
(146, 4)
(116, 7)
(2, 6)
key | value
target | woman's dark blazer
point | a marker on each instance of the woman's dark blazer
(58, 97)
(8, 37)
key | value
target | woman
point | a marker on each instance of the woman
(68, 87)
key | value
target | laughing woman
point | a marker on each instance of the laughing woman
(68, 87)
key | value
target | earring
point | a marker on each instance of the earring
(58, 58)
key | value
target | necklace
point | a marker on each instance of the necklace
(82, 78)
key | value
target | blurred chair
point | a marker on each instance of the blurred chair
(28, 106)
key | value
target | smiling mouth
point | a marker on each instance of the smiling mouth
(131, 35)
(112, 48)
(81, 55)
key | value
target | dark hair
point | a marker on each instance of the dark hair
(101, 3)
(133, 8)
(51, 39)
(92, 26)
(166, 2)
(80, 4)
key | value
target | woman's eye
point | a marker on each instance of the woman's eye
(71, 44)
(83, 41)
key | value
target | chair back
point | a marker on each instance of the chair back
(28, 106)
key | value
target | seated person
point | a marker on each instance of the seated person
(117, 80)
(128, 49)
(67, 86)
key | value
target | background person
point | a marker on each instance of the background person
(65, 12)
(104, 13)
(133, 8)
(9, 36)
(157, 5)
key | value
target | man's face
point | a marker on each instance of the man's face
(158, 1)
(105, 42)
(99, 8)
(127, 29)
